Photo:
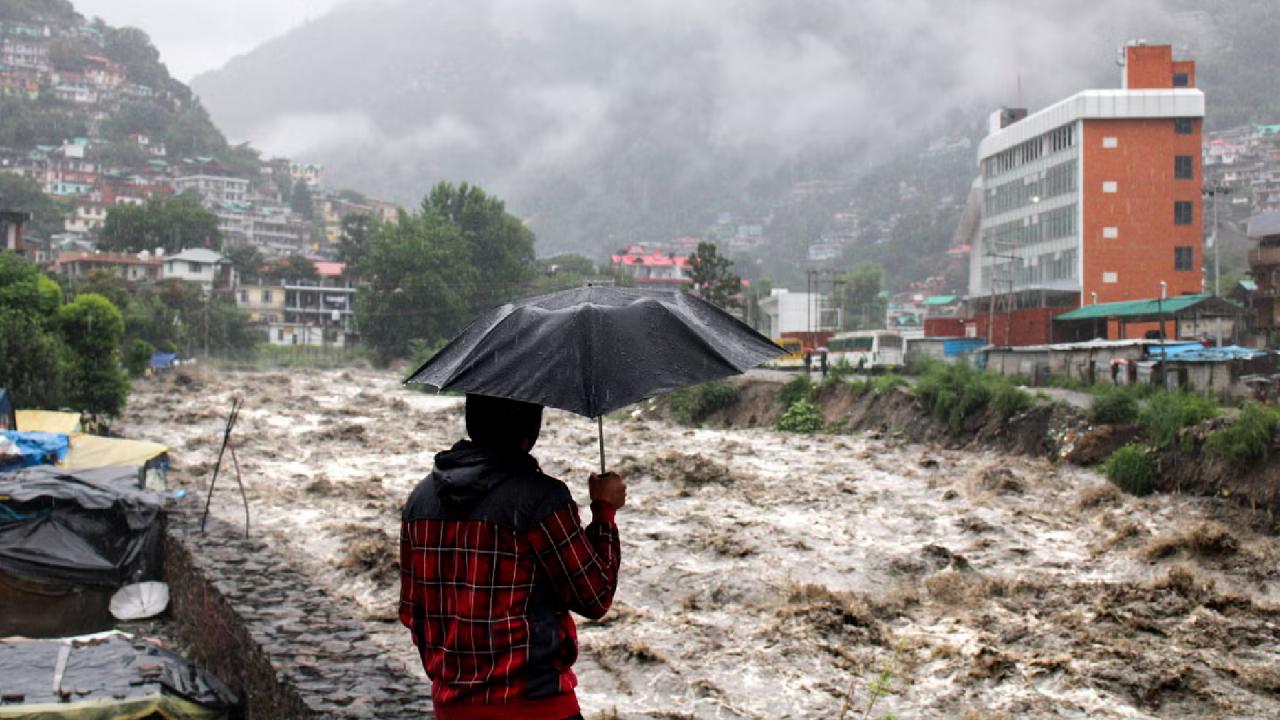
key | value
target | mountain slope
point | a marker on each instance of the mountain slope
(607, 123)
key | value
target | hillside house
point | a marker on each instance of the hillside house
(207, 268)
(133, 269)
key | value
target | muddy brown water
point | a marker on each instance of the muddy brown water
(782, 576)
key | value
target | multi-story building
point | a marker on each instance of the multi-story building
(25, 53)
(1264, 265)
(652, 266)
(318, 311)
(214, 188)
(201, 266)
(1094, 199)
(263, 301)
(133, 269)
(810, 316)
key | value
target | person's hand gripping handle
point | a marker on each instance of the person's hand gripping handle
(609, 488)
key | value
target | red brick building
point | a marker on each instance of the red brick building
(1094, 199)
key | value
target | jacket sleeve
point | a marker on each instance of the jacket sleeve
(581, 562)
(411, 608)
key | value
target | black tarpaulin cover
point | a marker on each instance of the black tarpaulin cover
(111, 676)
(87, 527)
(593, 350)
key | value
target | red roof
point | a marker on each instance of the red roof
(325, 268)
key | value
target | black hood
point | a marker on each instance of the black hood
(467, 472)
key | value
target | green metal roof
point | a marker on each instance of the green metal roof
(1134, 308)
(1249, 285)
(939, 299)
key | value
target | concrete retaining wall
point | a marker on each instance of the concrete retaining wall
(268, 632)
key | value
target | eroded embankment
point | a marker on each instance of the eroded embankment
(1050, 430)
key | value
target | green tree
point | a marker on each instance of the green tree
(300, 200)
(138, 356)
(497, 243)
(859, 297)
(419, 278)
(357, 232)
(293, 268)
(25, 195)
(246, 259)
(173, 223)
(32, 355)
(713, 278)
(93, 329)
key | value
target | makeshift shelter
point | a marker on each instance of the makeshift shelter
(52, 421)
(25, 449)
(67, 541)
(8, 421)
(144, 458)
(107, 676)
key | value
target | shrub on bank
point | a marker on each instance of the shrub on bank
(802, 416)
(796, 389)
(1131, 469)
(1166, 413)
(956, 392)
(691, 406)
(885, 383)
(1247, 440)
(1114, 406)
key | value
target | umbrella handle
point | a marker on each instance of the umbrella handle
(600, 427)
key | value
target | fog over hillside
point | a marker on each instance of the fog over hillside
(608, 122)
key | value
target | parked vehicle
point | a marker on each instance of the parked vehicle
(793, 360)
(867, 349)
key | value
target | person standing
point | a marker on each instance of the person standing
(493, 559)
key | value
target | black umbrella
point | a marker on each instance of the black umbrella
(593, 350)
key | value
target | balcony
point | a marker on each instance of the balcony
(1264, 256)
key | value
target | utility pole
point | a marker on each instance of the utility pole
(1212, 192)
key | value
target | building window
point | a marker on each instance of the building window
(1183, 258)
(266, 296)
(1182, 126)
(1181, 80)
(1182, 168)
(1109, 277)
(1182, 213)
(1109, 186)
(1110, 233)
(1110, 142)
(195, 268)
(244, 296)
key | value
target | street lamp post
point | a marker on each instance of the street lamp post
(1212, 192)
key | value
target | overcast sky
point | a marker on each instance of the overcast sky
(197, 35)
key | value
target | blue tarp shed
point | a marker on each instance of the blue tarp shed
(25, 449)
(162, 361)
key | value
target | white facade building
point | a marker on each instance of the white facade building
(201, 266)
(788, 312)
(214, 188)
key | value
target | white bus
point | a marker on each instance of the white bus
(867, 349)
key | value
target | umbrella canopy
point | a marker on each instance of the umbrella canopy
(593, 350)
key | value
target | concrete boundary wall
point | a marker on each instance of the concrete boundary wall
(261, 626)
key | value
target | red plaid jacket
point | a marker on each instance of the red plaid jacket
(493, 557)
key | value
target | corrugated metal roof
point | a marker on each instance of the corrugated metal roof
(1264, 224)
(939, 299)
(1133, 308)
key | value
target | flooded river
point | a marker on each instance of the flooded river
(783, 576)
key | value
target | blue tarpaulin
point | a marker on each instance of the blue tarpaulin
(162, 360)
(24, 449)
(8, 416)
(1212, 354)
